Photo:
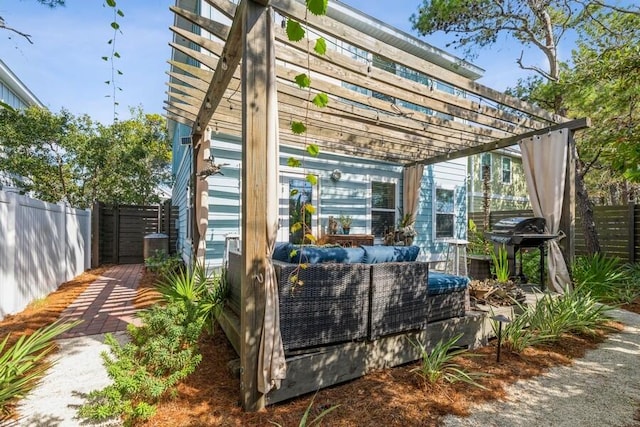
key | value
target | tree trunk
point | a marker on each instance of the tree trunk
(585, 210)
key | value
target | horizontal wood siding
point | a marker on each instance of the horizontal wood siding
(350, 195)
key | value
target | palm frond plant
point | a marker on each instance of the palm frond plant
(23, 364)
(439, 363)
(604, 278)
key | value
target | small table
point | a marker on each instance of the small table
(350, 240)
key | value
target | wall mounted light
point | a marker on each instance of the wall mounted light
(336, 175)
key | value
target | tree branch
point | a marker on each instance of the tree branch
(534, 68)
(3, 26)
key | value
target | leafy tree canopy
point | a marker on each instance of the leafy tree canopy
(59, 157)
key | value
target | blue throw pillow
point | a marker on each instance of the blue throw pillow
(377, 254)
(440, 283)
(353, 256)
(281, 251)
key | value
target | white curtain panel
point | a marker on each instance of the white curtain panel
(412, 178)
(272, 366)
(544, 158)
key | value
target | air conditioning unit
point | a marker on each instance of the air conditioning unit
(185, 140)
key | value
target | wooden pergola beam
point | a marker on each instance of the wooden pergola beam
(223, 73)
(505, 142)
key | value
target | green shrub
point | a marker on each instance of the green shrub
(553, 316)
(500, 264)
(531, 264)
(605, 278)
(22, 365)
(162, 263)
(196, 286)
(161, 353)
(439, 365)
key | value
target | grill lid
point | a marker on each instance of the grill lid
(519, 225)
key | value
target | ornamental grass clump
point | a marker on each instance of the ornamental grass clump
(23, 364)
(439, 364)
(553, 316)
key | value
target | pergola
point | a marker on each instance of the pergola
(241, 101)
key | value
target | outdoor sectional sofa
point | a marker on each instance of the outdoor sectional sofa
(353, 294)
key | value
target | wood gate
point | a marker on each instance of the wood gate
(118, 231)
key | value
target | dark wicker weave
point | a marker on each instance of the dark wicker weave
(398, 297)
(446, 306)
(331, 306)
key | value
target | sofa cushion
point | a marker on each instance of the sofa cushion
(377, 254)
(441, 283)
(319, 255)
(282, 251)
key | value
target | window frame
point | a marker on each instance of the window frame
(436, 212)
(393, 210)
(503, 170)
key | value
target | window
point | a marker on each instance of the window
(485, 161)
(444, 213)
(383, 207)
(506, 170)
(300, 193)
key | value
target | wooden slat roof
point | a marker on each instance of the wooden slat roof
(472, 119)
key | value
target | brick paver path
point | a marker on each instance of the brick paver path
(107, 304)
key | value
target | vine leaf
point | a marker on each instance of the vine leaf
(320, 46)
(317, 7)
(120, 13)
(311, 179)
(320, 100)
(296, 227)
(303, 80)
(294, 163)
(310, 237)
(111, 3)
(294, 192)
(115, 25)
(309, 208)
(298, 128)
(313, 150)
(295, 32)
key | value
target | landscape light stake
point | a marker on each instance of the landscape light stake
(500, 318)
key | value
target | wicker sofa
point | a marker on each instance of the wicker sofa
(349, 296)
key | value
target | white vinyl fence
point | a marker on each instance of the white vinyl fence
(41, 246)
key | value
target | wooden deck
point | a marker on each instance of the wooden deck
(310, 370)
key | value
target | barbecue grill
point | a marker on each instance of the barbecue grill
(517, 233)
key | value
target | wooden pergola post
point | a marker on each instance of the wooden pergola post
(255, 170)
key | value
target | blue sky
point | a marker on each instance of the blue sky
(63, 67)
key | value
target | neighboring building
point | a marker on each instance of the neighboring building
(369, 191)
(13, 92)
(16, 95)
(507, 183)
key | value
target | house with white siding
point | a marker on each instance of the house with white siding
(13, 94)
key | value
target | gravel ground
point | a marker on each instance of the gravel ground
(602, 389)
(78, 371)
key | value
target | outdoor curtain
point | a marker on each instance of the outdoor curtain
(544, 158)
(272, 367)
(412, 177)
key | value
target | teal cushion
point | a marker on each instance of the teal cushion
(377, 254)
(281, 251)
(440, 283)
(318, 255)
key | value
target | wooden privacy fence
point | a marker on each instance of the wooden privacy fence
(618, 229)
(119, 231)
(41, 246)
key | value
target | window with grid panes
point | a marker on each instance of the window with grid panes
(506, 170)
(444, 213)
(383, 207)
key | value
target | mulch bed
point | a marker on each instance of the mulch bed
(394, 397)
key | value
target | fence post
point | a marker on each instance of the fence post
(632, 233)
(95, 235)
